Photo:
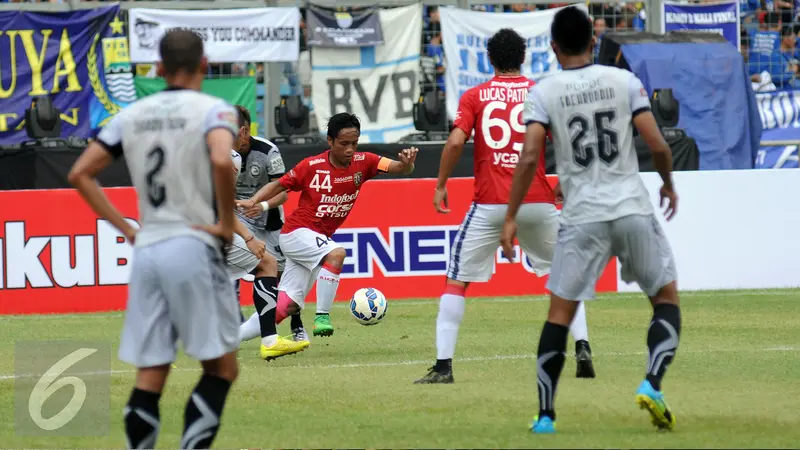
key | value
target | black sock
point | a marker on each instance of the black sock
(265, 299)
(323, 314)
(550, 361)
(236, 286)
(141, 418)
(203, 412)
(662, 341)
(297, 321)
(444, 365)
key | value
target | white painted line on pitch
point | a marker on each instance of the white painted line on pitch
(789, 292)
(416, 362)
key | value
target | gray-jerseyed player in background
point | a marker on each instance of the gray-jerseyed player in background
(177, 146)
(607, 212)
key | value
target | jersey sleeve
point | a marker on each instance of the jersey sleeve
(275, 165)
(376, 164)
(640, 101)
(221, 115)
(110, 137)
(293, 179)
(466, 114)
(534, 111)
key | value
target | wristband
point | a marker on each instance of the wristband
(264, 206)
(249, 239)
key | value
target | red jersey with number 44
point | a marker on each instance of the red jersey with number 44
(494, 110)
(328, 193)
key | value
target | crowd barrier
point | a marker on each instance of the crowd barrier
(733, 230)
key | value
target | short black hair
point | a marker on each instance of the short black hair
(181, 51)
(506, 50)
(341, 121)
(772, 18)
(572, 31)
(244, 116)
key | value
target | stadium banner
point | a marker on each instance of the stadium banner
(464, 37)
(229, 35)
(721, 18)
(378, 84)
(79, 59)
(80, 263)
(330, 28)
(780, 119)
(236, 90)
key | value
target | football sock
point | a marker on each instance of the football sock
(327, 284)
(451, 312)
(550, 361)
(203, 412)
(578, 328)
(297, 321)
(250, 329)
(142, 420)
(284, 302)
(662, 341)
(236, 286)
(265, 299)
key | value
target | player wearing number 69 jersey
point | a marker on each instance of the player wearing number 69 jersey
(494, 111)
(329, 184)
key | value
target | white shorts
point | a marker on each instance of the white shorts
(478, 237)
(583, 251)
(239, 260)
(305, 250)
(178, 290)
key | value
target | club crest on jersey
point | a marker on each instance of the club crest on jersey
(357, 179)
(255, 171)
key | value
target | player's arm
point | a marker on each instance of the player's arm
(277, 169)
(404, 165)
(271, 195)
(97, 156)
(646, 124)
(537, 121)
(453, 148)
(220, 141)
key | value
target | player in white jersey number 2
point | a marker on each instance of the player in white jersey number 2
(177, 147)
(590, 111)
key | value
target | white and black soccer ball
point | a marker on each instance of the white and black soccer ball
(368, 306)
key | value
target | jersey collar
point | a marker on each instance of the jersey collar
(579, 67)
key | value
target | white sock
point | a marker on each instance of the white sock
(251, 329)
(578, 327)
(451, 312)
(327, 284)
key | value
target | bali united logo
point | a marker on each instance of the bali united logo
(357, 179)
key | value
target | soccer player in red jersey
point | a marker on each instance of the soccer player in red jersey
(494, 110)
(329, 184)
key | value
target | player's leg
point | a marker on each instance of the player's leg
(327, 285)
(537, 236)
(471, 260)
(272, 239)
(149, 343)
(204, 312)
(646, 257)
(581, 254)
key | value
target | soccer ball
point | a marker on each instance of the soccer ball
(368, 306)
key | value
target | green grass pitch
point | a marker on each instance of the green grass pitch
(735, 381)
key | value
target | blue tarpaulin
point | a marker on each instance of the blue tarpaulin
(717, 105)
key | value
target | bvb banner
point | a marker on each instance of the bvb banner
(78, 58)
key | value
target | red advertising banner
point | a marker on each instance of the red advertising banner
(56, 256)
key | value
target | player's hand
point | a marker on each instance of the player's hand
(507, 238)
(256, 247)
(440, 199)
(130, 235)
(408, 156)
(226, 234)
(249, 208)
(668, 194)
(558, 193)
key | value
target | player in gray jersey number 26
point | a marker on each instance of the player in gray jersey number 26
(590, 111)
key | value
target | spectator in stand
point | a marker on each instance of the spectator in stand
(789, 49)
(786, 8)
(766, 54)
(519, 7)
(433, 26)
(485, 8)
(435, 50)
(599, 31)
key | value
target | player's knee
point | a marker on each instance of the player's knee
(225, 367)
(267, 267)
(455, 287)
(336, 257)
(667, 295)
(561, 310)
